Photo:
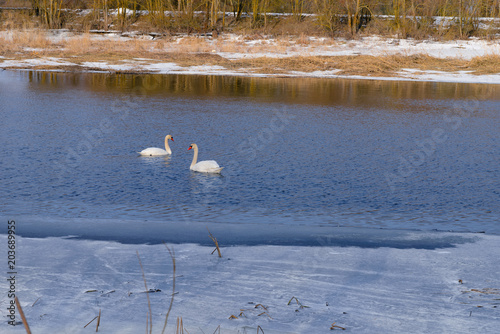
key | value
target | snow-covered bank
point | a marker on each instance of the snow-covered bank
(235, 47)
(373, 45)
(62, 285)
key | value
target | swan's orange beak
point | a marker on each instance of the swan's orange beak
(190, 147)
(172, 138)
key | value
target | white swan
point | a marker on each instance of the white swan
(207, 166)
(154, 151)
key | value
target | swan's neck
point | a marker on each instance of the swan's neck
(195, 155)
(167, 148)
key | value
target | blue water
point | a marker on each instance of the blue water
(309, 152)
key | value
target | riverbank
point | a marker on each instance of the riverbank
(472, 60)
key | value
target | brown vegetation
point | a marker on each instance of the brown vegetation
(193, 51)
(253, 19)
(447, 19)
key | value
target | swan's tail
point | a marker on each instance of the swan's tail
(218, 170)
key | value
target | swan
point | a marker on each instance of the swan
(152, 151)
(206, 166)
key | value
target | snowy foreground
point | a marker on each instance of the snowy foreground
(453, 287)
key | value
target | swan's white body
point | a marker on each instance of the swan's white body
(206, 166)
(156, 151)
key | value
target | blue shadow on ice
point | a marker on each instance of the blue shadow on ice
(145, 232)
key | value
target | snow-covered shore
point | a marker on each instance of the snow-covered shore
(62, 285)
(234, 47)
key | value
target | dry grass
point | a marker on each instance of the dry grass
(193, 44)
(24, 42)
(149, 318)
(23, 318)
(195, 51)
(214, 239)
(85, 45)
(364, 65)
(485, 64)
(333, 326)
(172, 256)
(78, 45)
(327, 22)
(36, 39)
(17, 20)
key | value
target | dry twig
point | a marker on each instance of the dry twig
(172, 256)
(36, 301)
(218, 328)
(333, 326)
(88, 323)
(298, 303)
(147, 295)
(215, 242)
(98, 321)
(23, 318)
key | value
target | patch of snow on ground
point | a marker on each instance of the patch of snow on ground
(378, 46)
(109, 67)
(49, 61)
(62, 284)
(461, 76)
(275, 48)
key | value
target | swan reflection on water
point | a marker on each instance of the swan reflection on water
(155, 160)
